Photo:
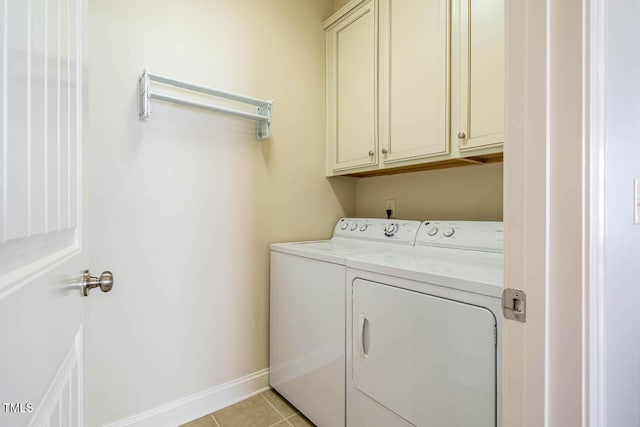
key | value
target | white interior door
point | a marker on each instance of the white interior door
(42, 243)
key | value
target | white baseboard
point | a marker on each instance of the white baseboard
(197, 405)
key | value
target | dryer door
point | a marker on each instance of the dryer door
(430, 360)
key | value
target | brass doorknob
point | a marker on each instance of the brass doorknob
(105, 282)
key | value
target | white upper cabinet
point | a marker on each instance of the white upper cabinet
(479, 74)
(351, 90)
(414, 79)
(411, 82)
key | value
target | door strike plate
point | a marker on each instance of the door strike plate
(514, 305)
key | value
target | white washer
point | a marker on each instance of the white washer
(424, 330)
(307, 318)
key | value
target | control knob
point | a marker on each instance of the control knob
(353, 227)
(391, 229)
(363, 227)
(344, 225)
(448, 232)
(432, 231)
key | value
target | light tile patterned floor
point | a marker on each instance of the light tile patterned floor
(263, 410)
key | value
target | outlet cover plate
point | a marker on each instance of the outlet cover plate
(391, 204)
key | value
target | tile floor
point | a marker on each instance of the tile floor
(263, 410)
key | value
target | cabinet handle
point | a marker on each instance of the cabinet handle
(384, 151)
(371, 153)
(362, 321)
(462, 135)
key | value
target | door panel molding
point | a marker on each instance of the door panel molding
(40, 137)
(24, 275)
(62, 402)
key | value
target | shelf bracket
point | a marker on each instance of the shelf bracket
(145, 98)
(263, 127)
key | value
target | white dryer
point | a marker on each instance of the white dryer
(424, 330)
(307, 313)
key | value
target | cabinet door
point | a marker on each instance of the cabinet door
(480, 80)
(414, 78)
(351, 90)
(430, 360)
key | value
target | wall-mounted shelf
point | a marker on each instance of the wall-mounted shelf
(262, 116)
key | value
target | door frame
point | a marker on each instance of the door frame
(594, 348)
(554, 211)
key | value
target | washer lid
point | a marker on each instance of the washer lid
(355, 235)
(334, 250)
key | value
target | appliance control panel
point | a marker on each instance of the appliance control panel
(382, 230)
(471, 235)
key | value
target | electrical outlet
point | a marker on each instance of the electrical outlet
(390, 204)
(636, 201)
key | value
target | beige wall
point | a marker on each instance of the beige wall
(337, 4)
(465, 193)
(182, 207)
